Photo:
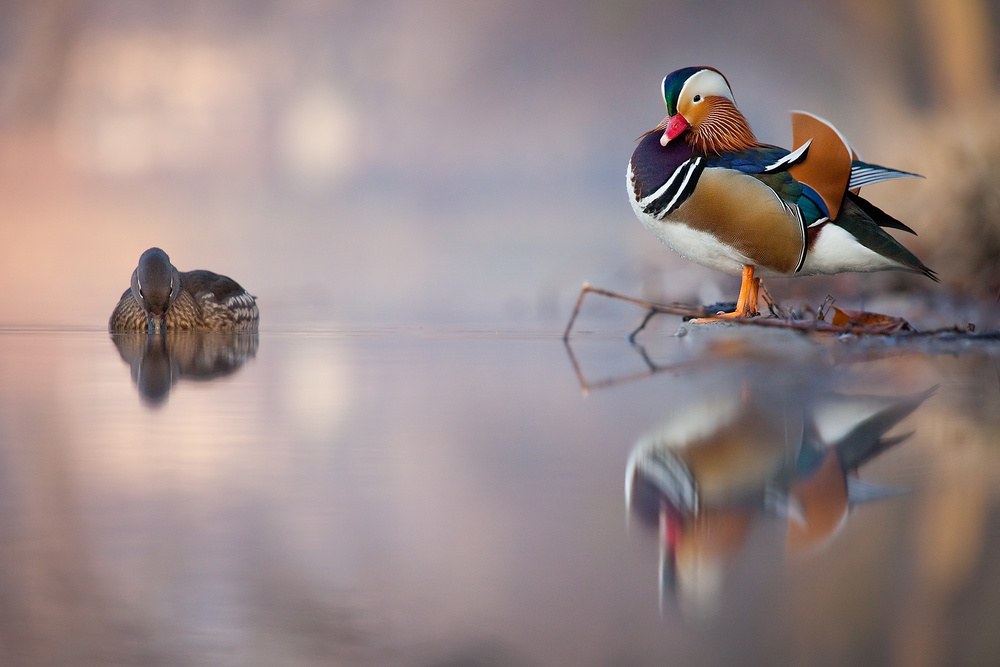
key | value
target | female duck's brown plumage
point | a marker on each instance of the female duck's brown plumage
(161, 297)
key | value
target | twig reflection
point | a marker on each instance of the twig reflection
(652, 368)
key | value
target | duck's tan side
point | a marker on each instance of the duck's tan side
(746, 215)
(127, 315)
(185, 314)
(237, 313)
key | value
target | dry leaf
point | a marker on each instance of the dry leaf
(860, 318)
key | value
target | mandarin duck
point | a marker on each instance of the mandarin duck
(702, 183)
(163, 298)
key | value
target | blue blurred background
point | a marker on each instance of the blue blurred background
(451, 162)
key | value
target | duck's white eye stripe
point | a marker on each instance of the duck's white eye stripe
(707, 82)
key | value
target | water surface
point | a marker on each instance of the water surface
(429, 497)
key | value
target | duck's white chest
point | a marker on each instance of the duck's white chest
(693, 244)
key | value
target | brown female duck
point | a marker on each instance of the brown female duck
(163, 298)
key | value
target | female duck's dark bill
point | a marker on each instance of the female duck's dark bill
(157, 323)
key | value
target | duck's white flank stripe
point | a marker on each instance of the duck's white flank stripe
(683, 190)
(685, 173)
(794, 157)
(665, 187)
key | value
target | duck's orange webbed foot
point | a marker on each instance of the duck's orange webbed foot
(746, 305)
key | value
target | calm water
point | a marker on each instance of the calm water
(422, 497)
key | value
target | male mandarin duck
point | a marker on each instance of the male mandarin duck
(702, 183)
(163, 298)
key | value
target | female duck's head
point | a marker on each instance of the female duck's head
(155, 286)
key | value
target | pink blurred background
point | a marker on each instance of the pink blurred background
(447, 161)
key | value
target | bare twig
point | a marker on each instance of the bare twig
(682, 309)
(824, 307)
(773, 306)
(857, 323)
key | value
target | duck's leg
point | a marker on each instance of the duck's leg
(746, 305)
(751, 306)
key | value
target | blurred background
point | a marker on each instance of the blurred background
(452, 162)
(433, 499)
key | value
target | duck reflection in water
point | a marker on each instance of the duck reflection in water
(159, 361)
(702, 478)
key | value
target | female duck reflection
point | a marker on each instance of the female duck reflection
(170, 325)
(159, 361)
(703, 477)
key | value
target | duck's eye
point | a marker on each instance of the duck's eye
(697, 98)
